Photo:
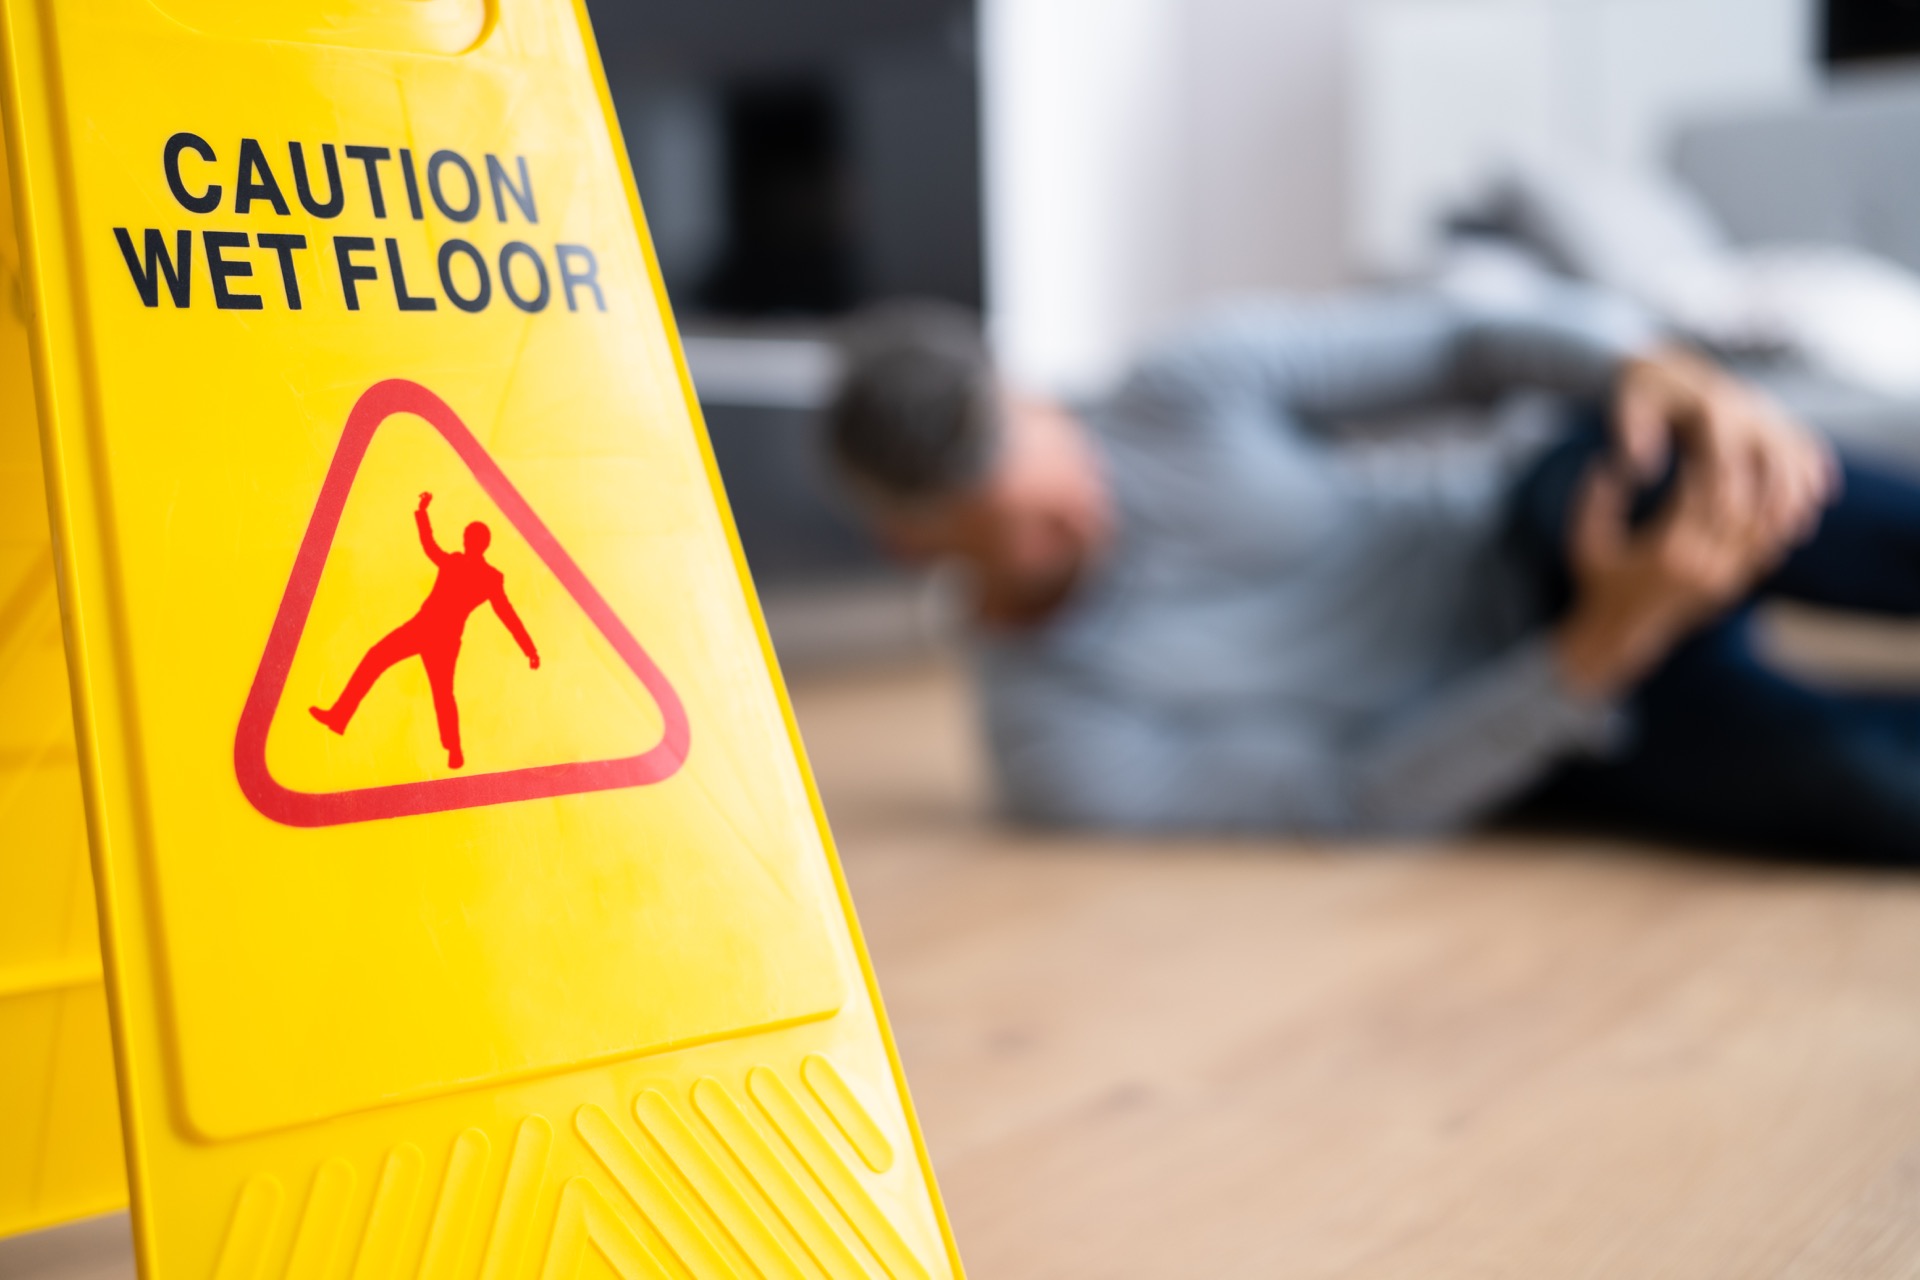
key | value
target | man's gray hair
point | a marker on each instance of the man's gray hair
(917, 415)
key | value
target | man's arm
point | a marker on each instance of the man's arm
(503, 609)
(1366, 354)
(1474, 746)
(1381, 353)
(1637, 594)
(424, 524)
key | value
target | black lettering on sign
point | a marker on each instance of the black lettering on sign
(303, 187)
(413, 185)
(522, 195)
(519, 249)
(160, 261)
(218, 269)
(208, 200)
(439, 161)
(177, 270)
(351, 272)
(371, 157)
(588, 275)
(283, 247)
(247, 187)
(407, 301)
(481, 296)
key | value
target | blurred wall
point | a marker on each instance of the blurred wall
(1445, 90)
(1142, 156)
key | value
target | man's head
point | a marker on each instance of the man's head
(478, 538)
(950, 465)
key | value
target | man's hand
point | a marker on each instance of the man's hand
(533, 661)
(1758, 463)
(425, 498)
(1638, 594)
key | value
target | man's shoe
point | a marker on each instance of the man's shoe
(328, 718)
(454, 759)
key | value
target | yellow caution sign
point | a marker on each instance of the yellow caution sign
(59, 1125)
(468, 910)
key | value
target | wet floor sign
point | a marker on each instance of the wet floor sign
(466, 909)
(59, 1125)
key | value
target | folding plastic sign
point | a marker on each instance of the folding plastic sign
(59, 1125)
(466, 908)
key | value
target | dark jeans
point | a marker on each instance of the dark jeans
(1723, 750)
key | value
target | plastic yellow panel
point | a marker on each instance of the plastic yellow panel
(421, 26)
(60, 1153)
(523, 967)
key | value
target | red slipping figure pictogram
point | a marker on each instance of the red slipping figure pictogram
(465, 582)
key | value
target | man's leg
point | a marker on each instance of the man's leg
(440, 662)
(396, 645)
(1725, 749)
(1864, 556)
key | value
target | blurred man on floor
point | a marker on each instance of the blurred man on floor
(1394, 563)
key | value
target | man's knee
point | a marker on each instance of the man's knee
(1541, 508)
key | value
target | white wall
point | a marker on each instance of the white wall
(1143, 156)
(1265, 129)
(1081, 163)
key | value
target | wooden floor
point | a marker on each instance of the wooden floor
(1521, 1058)
(1515, 1058)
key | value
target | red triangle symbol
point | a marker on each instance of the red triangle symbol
(435, 795)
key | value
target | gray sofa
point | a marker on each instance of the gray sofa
(1842, 170)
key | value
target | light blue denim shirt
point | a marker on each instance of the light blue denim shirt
(1295, 630)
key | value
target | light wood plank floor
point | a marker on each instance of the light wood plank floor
(1515, 1058)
